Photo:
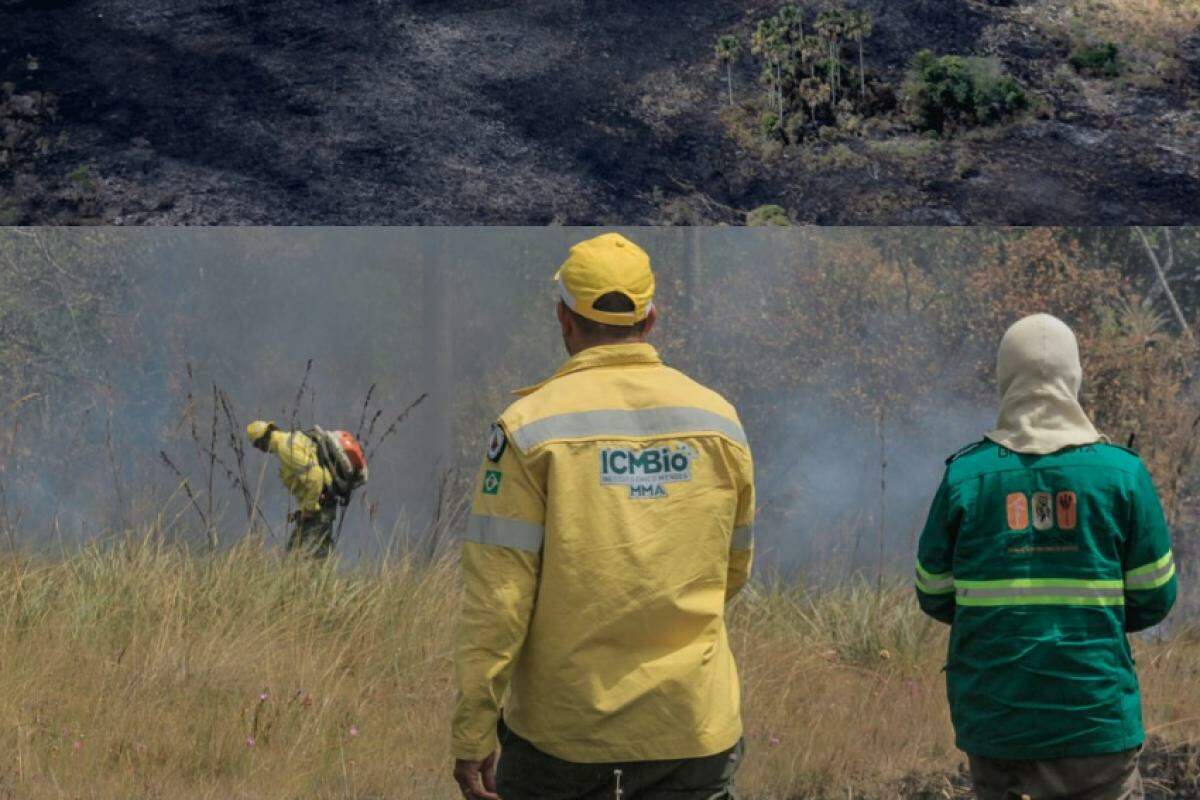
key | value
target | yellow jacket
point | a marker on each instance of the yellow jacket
(299, 468)
(612, 520)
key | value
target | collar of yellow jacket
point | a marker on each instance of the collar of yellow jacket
(607, 355)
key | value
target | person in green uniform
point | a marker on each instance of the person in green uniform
(1045, 545)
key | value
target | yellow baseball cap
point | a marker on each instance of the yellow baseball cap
(604, 264)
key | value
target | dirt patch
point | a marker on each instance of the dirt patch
(485, 111)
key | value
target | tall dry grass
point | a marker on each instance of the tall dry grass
(1149, 32)
(135, 670)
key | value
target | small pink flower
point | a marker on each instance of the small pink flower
(78, 745)
(354, 730)
(249, 741)
(263, 697)
(775, 739)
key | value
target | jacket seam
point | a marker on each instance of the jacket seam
(956, 482)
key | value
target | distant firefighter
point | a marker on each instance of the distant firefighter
(1044, 547)
(613, 519)
(321, 469)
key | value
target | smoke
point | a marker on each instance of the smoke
(466, 315)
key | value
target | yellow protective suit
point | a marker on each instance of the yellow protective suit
(299, 468)
(613, 517)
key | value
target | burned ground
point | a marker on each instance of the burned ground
(489, 112)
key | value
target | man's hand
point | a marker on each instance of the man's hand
(477, 779)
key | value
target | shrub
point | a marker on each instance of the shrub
(82, 176)
(796, 128)
(770, 125)
(1099, 60)
(960, 90)
(768, 215)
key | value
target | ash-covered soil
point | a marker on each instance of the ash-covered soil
(534, 112)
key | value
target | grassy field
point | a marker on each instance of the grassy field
(136, 671)
(1149, 32)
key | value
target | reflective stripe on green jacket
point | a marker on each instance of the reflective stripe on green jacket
(1042, 564)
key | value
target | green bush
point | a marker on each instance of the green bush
(770, 214)
(961, 90)
(769, 125)
(1097, 60)
(82, 175)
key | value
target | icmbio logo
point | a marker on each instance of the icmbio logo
(646, 472)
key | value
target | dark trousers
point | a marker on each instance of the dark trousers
(1113, 776)
(526, 773)
(313, 534)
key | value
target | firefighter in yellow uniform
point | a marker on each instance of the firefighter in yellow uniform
(309, 483)
(612, 520)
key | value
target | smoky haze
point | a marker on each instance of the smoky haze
(466, 315)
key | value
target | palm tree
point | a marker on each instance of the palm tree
(814, 91)
(830, 25)
(768, 42)
(791, 24)
(859, 26)
(760, 45)
(791, 21)
(811, 48)
(728, 49)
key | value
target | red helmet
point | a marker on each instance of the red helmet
(352, 449)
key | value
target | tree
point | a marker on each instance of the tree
(768, 41)
(728, 48)
(1162, 270)
(811, 48)
(814, 92)
(831, 25)
(859, 26)
(791, 23)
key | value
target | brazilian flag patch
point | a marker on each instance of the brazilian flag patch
(491, 481)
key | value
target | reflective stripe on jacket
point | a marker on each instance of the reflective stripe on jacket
(611, 523)
(1042, 563)
(299, 468)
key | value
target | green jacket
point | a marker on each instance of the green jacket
(1042, 564)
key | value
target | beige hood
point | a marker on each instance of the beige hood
(1039, 375)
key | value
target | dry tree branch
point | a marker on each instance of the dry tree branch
(362, 419)
(187, 488)
(371, 450)
(239, 455)
(883, 465)
(212, 455)
(396, 423)
(300, 395)
(1166, 287)
(371, 427)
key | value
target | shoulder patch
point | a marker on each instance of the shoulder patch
(964, 450)
(497, 443)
